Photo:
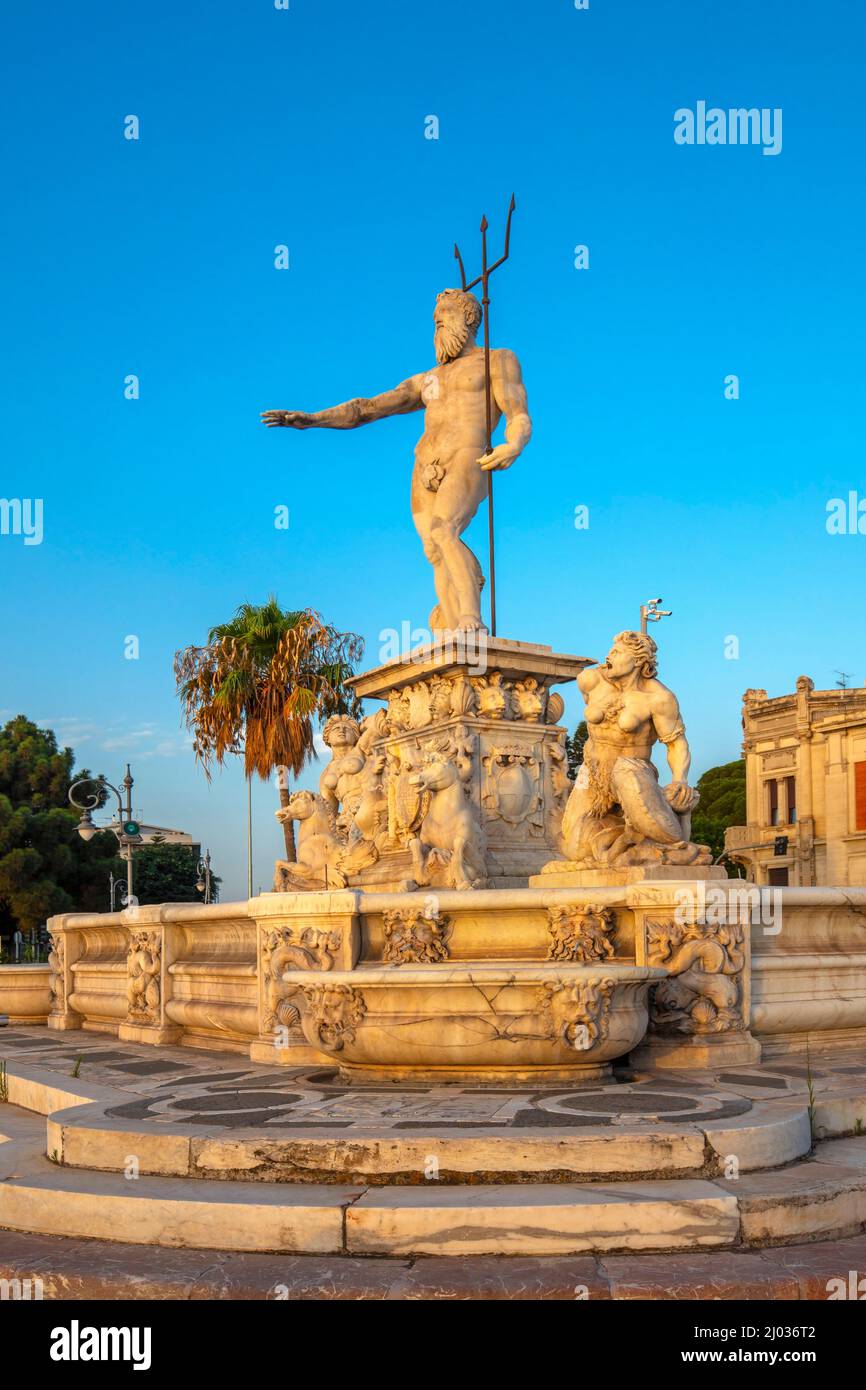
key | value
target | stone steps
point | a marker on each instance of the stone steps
(92, 1137)
(638, 1167)
(94, 1126)
(821, 1197)
(93, 1269)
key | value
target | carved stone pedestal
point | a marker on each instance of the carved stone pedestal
(146, 1033)
(313, 932)
(698, 1052)
(475, 767)
(699, 931)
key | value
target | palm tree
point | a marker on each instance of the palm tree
(258, 686)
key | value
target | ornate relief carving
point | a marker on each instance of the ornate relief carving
(398, 710)
(336, 1011)
(57, 972)
(529, 700)
(513, 787)
(494, 699)
(577, 1014)
(143, 971)
(374, 796)
(489, 696)
(580, 934)
(704, 993)
(555, 707)
(408, 802)
(440, 700)
(560, 781)
(463, 698)
(288, 948)
(414, 937)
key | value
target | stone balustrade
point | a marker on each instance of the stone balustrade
(726, 967)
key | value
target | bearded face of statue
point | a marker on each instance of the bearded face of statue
(451, 335)
(453, 329)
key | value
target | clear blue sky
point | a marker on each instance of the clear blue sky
(306, 127)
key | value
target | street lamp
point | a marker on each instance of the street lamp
(113, 885)
(204, 883)
(127, 830)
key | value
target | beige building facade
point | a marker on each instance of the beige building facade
(805, 788)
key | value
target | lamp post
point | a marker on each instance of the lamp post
(113, 885)
(205, 878)
(126, 829)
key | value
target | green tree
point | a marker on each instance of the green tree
(722, 803)
(259, 685)
(574, 746)
(45, 867)
(164, 873)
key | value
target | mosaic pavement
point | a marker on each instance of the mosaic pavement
(171, 1086)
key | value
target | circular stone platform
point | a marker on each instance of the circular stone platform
(232, 1156)
(213, 1116)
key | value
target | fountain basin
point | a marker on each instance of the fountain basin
(488, 1022)
(25, 994)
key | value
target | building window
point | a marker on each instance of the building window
(777, 878)
(860, 796)
(791, 799)
(773, 802)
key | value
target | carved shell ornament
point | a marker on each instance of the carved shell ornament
(555, 707)
(463, 697)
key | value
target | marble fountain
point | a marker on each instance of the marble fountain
(495, 1004)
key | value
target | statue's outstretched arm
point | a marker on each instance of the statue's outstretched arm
(400, 401)
(509, 395)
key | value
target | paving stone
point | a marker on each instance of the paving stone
(646, 1102)
(234, 1100)
(101, 1056)
(815, 1266)
(95, 1269)
(206, 1077)
(724, 1274)
(753, 1079)
(147, 1068)
(518, 1279)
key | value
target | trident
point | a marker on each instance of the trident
(482, 279)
